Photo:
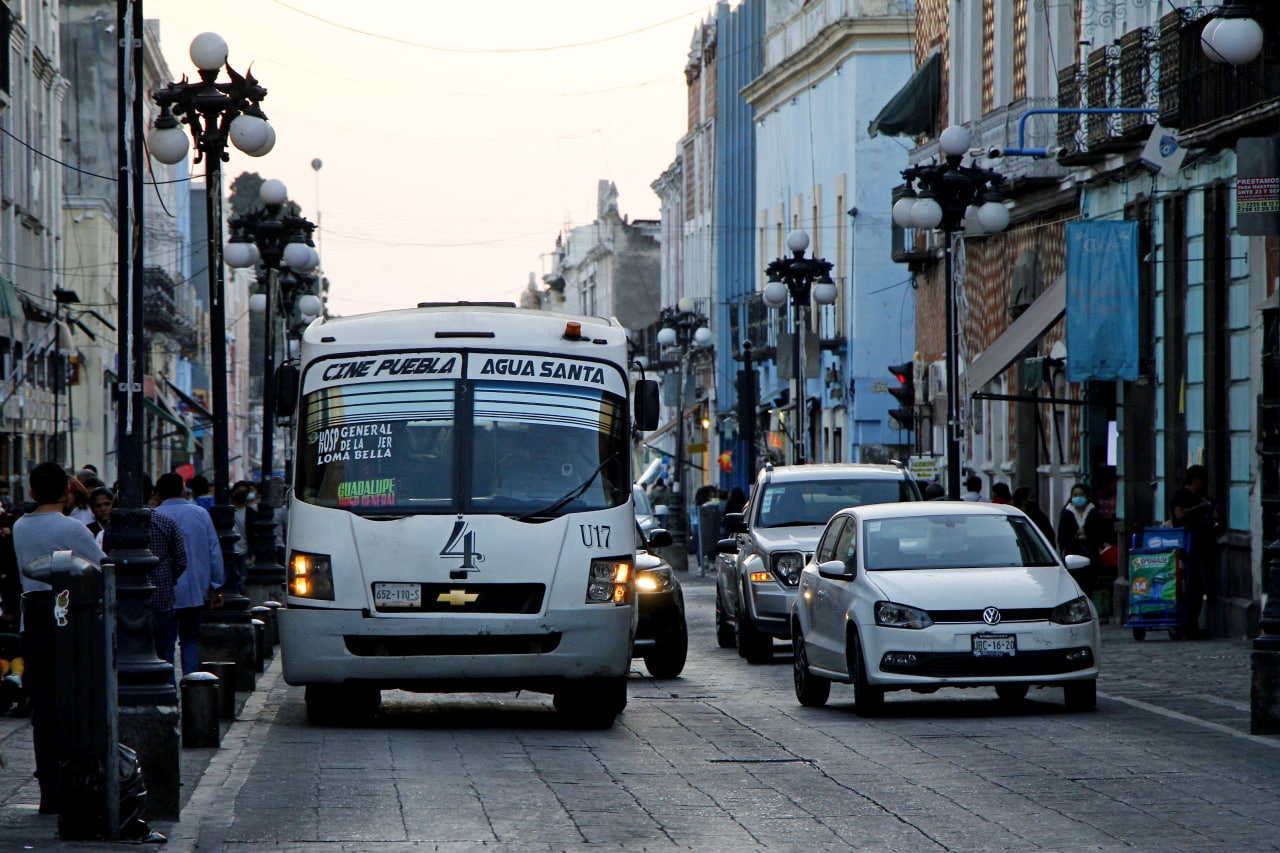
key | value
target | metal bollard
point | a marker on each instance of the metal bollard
(273, 627)
(200, 727)
(259, 645)
(267, 615)
(226, 672)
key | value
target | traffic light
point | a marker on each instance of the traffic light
(905, 394)
(748, 397)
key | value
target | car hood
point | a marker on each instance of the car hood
(963, 589)
(799, 538)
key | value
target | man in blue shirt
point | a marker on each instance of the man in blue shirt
(204, 574)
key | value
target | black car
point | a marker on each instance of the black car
(662, 637)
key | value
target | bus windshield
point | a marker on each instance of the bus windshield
(441, 446)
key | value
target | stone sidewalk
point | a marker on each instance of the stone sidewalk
(1205, 682)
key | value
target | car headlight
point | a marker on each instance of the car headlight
(610, 580)
(310, 575)
(890, 615)
(787, 565)
(654, 580)
(1073, 612)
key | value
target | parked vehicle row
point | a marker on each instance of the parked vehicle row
(880, 590)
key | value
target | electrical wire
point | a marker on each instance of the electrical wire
(479, 50)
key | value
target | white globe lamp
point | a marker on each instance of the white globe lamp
(797, 241)
(273, 192)
(169, 145)
(702, 337)
(775, 294)
(258, 303)
(824, 292)
(955, 140)
(667, 337)
(209, 51)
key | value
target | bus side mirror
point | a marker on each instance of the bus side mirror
(286, 389)
(646, 404)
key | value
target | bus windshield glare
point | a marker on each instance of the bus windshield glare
(441, 446)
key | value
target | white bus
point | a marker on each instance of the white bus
(461, 515)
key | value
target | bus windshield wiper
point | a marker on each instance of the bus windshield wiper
(571, 496)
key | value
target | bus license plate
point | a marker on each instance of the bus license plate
(397, 594)
(995, 645)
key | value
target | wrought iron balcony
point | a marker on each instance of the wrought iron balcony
(1213, 102)
(1121, 75)
(162, 313)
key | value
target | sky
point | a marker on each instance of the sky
(456, 140)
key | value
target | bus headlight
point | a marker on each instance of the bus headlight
(610, 580)
(310, 575)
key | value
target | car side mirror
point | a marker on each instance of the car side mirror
(837, 570)
(735, 522)
(1078, 567)
(659, 538)
(727, 546)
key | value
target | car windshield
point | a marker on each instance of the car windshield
(813, 502)
(641, 500)
(952, 542)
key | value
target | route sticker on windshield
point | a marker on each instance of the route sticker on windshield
(873, 527)
(367, 493)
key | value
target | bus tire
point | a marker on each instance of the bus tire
(592, 703)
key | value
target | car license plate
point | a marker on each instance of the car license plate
(397, 594)
(995, 645)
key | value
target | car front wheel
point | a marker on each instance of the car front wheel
(726, 638)
(1081, 695)
(667, 657)
(868, 700)
(812, 690)
(754, 645)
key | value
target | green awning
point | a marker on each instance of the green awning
(164, 414)
(10, 304)
(914, 110)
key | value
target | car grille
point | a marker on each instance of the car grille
(1026, 614)
(471, 644)
(965, 665)
(521, 598)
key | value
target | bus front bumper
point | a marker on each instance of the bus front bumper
(452, 654)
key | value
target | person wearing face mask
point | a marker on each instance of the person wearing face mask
(1082, 531)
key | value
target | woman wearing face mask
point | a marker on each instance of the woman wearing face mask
(1082, 531)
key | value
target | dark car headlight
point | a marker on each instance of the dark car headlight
(891, 615)
(654, 580)
(786, 566)
(1073, 612)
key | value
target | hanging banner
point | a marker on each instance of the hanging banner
(1102, 301)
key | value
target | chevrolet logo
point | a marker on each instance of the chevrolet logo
(457, 597)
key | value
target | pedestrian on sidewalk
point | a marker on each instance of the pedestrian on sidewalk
(1024, 500)
(38, 534)
(204, 575)
(1081, 531)
(1194, 511)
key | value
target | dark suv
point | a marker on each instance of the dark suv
(758, 570)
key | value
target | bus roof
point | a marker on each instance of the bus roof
(497, 323)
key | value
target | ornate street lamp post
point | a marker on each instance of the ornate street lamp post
(804, 279)
(215, 113)
(953, 198)
(684, 331)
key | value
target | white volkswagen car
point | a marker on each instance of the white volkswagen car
(917, 596)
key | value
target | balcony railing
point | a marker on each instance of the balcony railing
(1205, 99)
(1122, 75)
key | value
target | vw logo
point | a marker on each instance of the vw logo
(991, 616)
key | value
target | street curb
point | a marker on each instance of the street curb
(210, 811)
